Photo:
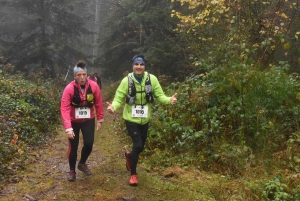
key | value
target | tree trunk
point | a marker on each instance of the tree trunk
(43, 36)
(96, 30)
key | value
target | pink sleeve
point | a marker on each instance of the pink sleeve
(98, 103)
(65, 106)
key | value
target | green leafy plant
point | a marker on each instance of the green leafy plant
(236, 104)
(276, 190)
(29, 118)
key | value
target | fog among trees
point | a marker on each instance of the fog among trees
(178, 38)
(49, 36)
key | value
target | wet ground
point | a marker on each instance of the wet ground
(46, 178)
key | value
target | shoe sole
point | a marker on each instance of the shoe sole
(87, 174)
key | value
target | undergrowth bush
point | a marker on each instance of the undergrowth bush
(277, 189)
(235, 119)
(226, 117)
(29, 117)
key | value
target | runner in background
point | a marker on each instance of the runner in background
(93, 78)
(98, 80)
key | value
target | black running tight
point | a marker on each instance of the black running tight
(138, 134)
(88, 130)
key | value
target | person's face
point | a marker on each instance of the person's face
(80, 77)
(138, 69)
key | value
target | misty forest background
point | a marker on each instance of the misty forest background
(234, 64)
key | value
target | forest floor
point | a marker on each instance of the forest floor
(46, 178)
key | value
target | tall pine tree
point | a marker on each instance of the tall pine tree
(43, 34)
(140, 27)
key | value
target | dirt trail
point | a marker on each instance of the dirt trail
(46, 179)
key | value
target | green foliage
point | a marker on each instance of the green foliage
(293, 152)
(29, 117)
(275, 189)
(235, 109)
(231, 120)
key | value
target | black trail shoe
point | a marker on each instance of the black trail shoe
(84, 168)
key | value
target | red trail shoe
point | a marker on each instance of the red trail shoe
(72, 175)
(133, 181)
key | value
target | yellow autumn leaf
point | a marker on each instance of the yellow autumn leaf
(284, 15)
(287, 46)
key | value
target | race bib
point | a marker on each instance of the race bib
(82, 112)
(139, 111)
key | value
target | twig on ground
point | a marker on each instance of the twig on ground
(29, 197)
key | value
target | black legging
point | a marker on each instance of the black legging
(88, 131)
(138, 133)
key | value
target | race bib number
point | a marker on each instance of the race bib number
(139, 111)
(82, 112)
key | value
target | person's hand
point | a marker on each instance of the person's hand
(99, 125)
(174, 99)
(70, 135)
(110, 108)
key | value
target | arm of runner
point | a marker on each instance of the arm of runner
(174, 99)
(110, 108)
(70, 134)
(99, 125)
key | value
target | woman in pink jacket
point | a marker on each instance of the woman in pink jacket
(81, 102)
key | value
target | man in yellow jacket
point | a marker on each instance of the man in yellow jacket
(139, 89)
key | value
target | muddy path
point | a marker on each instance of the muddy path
(46, 178)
